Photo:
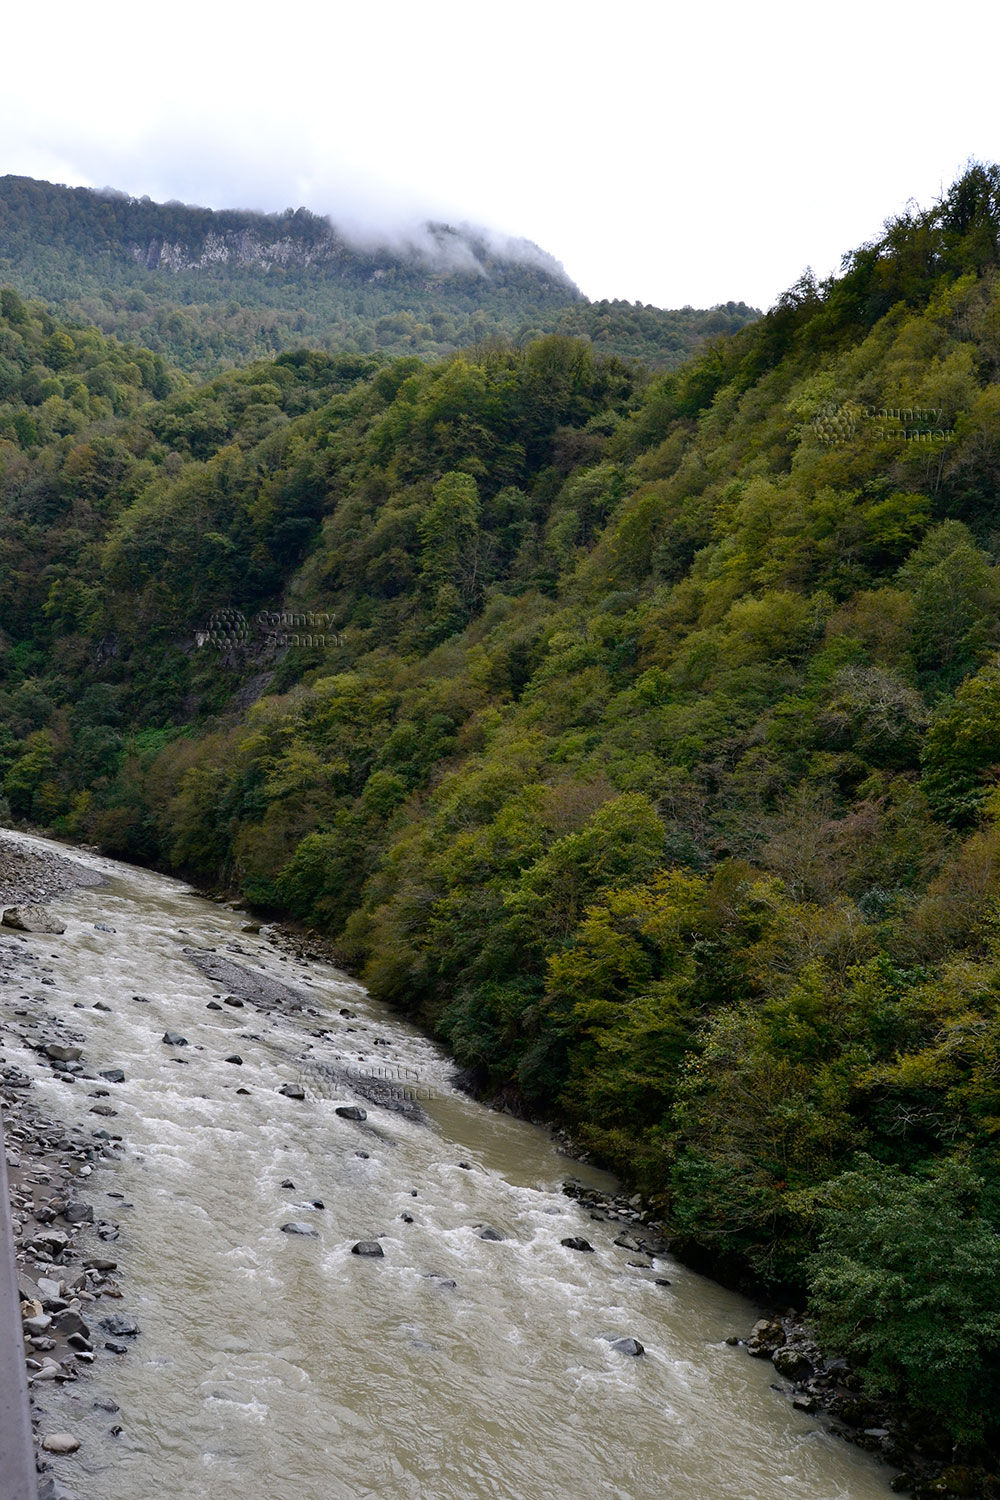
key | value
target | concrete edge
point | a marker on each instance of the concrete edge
(17, 1447)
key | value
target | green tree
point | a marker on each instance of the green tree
(904, 1282)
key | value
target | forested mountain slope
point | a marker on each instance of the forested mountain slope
(211, 289)
(638, 734)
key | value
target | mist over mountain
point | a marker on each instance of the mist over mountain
(208, 288)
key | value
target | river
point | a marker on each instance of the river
(283, 1367)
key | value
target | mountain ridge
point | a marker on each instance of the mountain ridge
(210, 288)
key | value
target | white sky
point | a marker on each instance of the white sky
(671, 154)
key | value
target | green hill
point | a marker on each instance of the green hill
(639, 735)
(209, 289)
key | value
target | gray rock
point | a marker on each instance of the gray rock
(235, 1058)
(53, 1240)
(27, 1289)
(59, 1052)
(213, 1005)
(370, 1248)
(102, 927)
(60, 1442)
(292, 1091)
(295, 1226)
(487, 1232)
(51, 1488)
(100, 1005)
(32, 919)
(70, 1322)
(351, 1112)
(114, 1075)
(575, 1242)
(172, 1039)
(766, 1335)
(628, 1346)
(791, 1363)
(79, 1213)
(119, 1326)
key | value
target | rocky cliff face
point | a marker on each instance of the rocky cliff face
(242, 247)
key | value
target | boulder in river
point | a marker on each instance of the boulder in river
(576, 1242)
(487, 1232)
(32, 919)
(60, 1052)
(766, 1335)
(351, 1112)
(370, 1248)
(792, 1363)
(296, 1226)
(628, 1346)
(60, 1442)
(119, 1326)
(292, 1091)
(114, 1075)
(51, 1488)
(174, 1039)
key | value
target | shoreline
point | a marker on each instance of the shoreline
(65, 1273)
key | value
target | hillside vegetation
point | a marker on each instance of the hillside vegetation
(208, 290)
(638, 734)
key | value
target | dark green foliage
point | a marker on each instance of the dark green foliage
(904, 1282)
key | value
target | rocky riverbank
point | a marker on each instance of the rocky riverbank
(70, 1300)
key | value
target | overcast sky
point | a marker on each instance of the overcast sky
(670, 154)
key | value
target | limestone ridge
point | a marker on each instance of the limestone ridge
(179, 237)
